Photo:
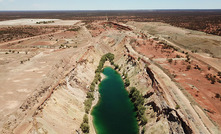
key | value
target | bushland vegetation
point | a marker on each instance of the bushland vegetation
(84, 125)
(90, 94)
(138, 100)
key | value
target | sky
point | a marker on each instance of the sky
(107, 4)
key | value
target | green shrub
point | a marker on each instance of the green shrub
(188, 67)
(140, 110)
(85, 119)
(127, 83)
(213, 80)
(88, 104)
(85, 127)
(143, 120)
(170, 60)
(74, 29)
(218, 95)
(209, 67)
(177, 56)
(138, 101)
(92, 87)
(116, 66)
(138, 58)
(177, 107)
(90, 95)
(187, 58)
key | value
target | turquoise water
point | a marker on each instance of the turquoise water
(114, 112)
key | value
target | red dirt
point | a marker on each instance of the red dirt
(193, 80)
(98, 28)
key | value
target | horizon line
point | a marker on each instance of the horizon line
(112, 10)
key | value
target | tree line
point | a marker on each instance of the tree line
(138, 100)
(90, 94)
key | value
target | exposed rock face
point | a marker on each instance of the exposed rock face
(177, 125)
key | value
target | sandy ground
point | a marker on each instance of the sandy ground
(40, 65)
(20, 22)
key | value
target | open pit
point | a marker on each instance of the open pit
(45, 77)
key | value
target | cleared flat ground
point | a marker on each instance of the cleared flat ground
(33, 22)
(189, 39)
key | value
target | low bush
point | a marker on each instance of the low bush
(188, 67)
(85, 127)
(88, 104)
(127, 82)
(90, 95)
(170, 60)
(177, 107)
(177, 56)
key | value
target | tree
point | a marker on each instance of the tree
(112, 63)
(138, 58)
(213, 80)
(90, 95)
(143, 120)
(116, 66)
(110, 56)
(188, 67)
(87, 104)
(85, 119)
(85, 127)
(218, 95)
(134, 97)
(127, 83)
(170, 60)
(209, 67)
(177, 56)
(92, 87)
(177, 106)
(188, 58)
(137, 98)
(132, 90)
(140, 111)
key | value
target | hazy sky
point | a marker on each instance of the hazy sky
(107, 4)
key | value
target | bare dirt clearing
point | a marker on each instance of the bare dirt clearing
(192, 40)
(22, 22)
